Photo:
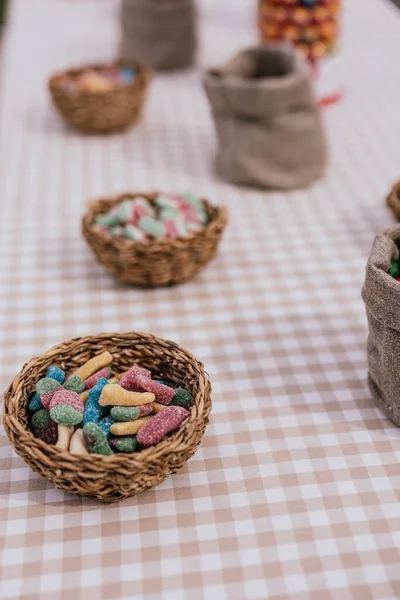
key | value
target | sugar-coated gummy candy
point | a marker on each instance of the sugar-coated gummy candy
(163, 393)
(48, 434)
(56, 373)
(129, 428)
(146, 409)
(164, 201)
(67, 397)
(66, 415)
(93, 379)
(197, 202)
(46, 386)
(110, 219)
(182, 398)
(93, 412)
(394, 269)
(130, 232)
(152, 227)
(77, 443)
(118, 230)
(125, 210)
(75, 384)
(65, 433)
(175, 228)
(125, 443)
(94, 364)
(168, 213)
(125, 413)
(34, 403)
(157, 407)
(41, 418)
(164, 422)
(105, 424)
(128, 379)
(95, 440)
(115, 395)
(142, 208)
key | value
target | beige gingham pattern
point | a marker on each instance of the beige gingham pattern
(295, 490)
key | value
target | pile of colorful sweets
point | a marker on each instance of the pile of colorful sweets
(394, 269)
(312, 25)
(171, 216)
(97, 81)
(92, 412)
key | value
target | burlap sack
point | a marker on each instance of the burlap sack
(160, 33)
(381, 294)
(267, 120)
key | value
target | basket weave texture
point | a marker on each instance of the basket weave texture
(110, 478)
(393, 199)
(106, 112)
(158, 263)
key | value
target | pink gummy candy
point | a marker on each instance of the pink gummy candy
(46, 398)
(189, 212)
(169, 419)
(163, 393)
(69, 397)
(93, 379)
(141, 208)
(128, 381)
(145, 409)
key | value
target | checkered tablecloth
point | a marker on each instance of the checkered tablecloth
(295, 490)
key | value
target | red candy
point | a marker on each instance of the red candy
(47, 397)
(91, 381)
(48, 434)
(145, 409)
(163, 393)
(169, 419)
(128, 381)
(63, 396)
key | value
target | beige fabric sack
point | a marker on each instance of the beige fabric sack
(267, 119)
(381, 294)
(160, 33)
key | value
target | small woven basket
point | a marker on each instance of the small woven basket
(110, 478)
(105, 112)
(157, 263)
(393, 199)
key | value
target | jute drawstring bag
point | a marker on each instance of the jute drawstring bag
(160, 33)
(268, 122)
(381, 294)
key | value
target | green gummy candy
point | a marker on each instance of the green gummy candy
(96, 440)
(66, 415)
(125, 443)
(169, 213)
(45, 385)
(192, 199)
(109, 219)
(125, 211)
(394, 269)
(125, 413)
(182, 398)
(132, 233)
(152, 227)
(41, 418)
(117, 230)
(75, 384)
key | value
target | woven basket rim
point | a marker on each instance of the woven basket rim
(120, 459)
(143, 71)
(217, 214)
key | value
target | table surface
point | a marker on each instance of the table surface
(295, 489)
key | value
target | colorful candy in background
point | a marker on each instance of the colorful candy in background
(93, 412)
(99, 80)
(311, 25)
(170, 217)
(394, 269)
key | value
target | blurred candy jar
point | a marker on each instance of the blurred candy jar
(160, 33)
(313, 27)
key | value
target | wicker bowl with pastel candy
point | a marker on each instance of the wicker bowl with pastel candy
(154, 239)
(108, 416)
(101, 98)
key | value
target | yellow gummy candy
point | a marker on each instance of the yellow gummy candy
(129, 428)
(114, 395)
(94, 364)
(158, 408)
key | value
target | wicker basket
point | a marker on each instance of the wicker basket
(157, 263)
(105, 112)
(393, 200)
(110, 478)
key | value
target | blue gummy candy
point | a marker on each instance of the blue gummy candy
(93, 411)
(56, 373)
(34, 403)
(162, 382)
(105, 424)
